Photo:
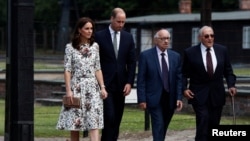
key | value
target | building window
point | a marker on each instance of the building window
(246, 37)
(146, 39)
(170, 30)
(195, 33)
(133, 31)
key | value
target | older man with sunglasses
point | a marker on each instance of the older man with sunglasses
(204, 68)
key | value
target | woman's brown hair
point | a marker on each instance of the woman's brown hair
(76, 35)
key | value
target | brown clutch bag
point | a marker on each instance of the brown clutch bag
(68, 103)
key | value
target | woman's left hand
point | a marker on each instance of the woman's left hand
(104, 93)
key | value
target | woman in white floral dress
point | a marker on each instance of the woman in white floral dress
(83, 78)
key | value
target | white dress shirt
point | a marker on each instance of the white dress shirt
(204, 53)
(159, 56)
(112, 32)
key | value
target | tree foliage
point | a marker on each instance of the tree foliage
(217, 5)
(3, 11)
(100, 9)
(48, 12)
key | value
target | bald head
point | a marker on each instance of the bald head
(161, 32)
(116, 11)
(206, 36)
(204, 28)
(118, 18)
(162, 39)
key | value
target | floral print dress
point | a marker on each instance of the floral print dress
(82, 65)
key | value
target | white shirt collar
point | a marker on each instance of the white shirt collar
(203, 48)
(159, 51)
(112, 31)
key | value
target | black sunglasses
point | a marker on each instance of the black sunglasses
(209, 35)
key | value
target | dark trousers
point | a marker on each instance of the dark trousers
(207, 117)
(113, 112)
(161, 116)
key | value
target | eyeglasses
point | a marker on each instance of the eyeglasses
(209, 35)
(164, 38)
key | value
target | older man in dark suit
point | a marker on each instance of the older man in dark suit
(118, 63)
(205, 65)
(159, 83)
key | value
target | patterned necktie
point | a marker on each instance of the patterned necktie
(115, 44)
(209, 63)
(164, 72)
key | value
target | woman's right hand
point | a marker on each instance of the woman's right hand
(70, 94)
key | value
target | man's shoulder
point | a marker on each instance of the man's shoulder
(219, 46)
(101, 31)
(149, 50)
(173, 52)
(194, 47)
(124, 32)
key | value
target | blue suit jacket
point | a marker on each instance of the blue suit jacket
(124, 65)
(200, 83)
(149, 80)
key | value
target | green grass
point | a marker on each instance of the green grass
(242, 71)
(39, 66)
(45, 119)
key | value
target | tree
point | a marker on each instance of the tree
(3, 11)
(100, 9)
(48, 12)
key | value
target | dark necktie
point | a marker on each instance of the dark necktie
(209, 63)
(164, 72)
(115, 44)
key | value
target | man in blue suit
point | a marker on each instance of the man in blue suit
(205, 90)
(160, 97)
(118, 63)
